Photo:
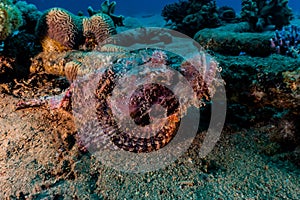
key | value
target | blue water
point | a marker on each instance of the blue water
(133, 7)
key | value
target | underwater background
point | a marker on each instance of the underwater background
(203, 105)
(133, 7)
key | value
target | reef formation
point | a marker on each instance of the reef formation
(62, 34)
(18, 42)
(27, 33)
(191, 16)
(263, 13)
(269, 86)
(73, 46)
(108, 8)
(235, 39)
(10, 18)
(62, 49)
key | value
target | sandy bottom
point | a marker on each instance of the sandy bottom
(40, 158)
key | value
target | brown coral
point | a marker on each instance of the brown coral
(60, 26)
(98, 27)
(60, 30)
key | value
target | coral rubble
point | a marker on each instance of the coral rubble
(260, 13)
(6, 64)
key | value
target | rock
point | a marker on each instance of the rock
(233, 39)
(264, 90)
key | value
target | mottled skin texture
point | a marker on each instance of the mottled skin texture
(144, 100)
(139, 107)
(78, 64)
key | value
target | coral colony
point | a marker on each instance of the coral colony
(190, 16)
(61, 30)
(286, 41)
(263, 13)
(10, 19)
